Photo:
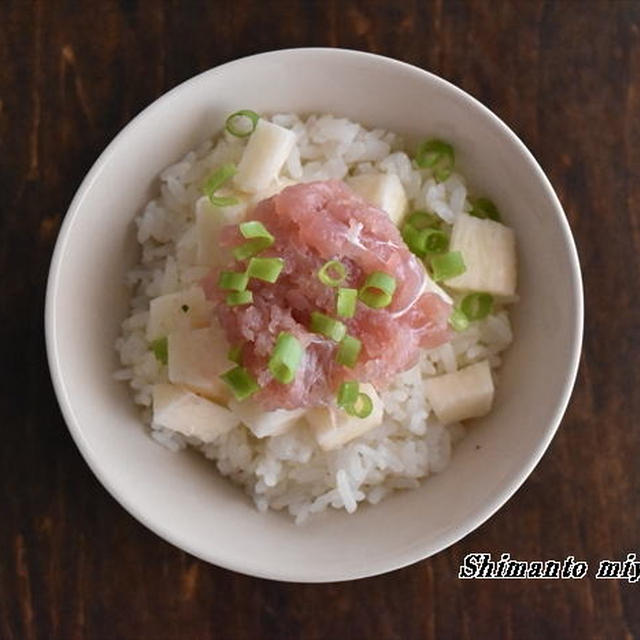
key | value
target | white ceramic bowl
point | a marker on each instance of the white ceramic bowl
(180, 496)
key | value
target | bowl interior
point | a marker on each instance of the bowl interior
(180, 496)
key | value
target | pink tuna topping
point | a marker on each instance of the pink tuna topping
(313, 223)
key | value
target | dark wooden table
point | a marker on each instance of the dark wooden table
(564, 75)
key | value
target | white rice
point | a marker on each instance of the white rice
(290, 471)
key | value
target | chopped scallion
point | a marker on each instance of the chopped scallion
(267, 269)
(241, 382)
(458, 320)
(424, 242)
(332, 273)
(238, 298)
(233, 281)
(215, 181)
(327, 326)
(235, 354)
(346, 302)
(161, 350)
(414, 239)
(251, 248)
(447, 265)
(361, 408)
(242, 123)
(223, 201)
(437, 156)
(348, 393)
(285, 358)
(484, 208)
(477, 306)
(352, 401)
(348, 351)
(255, 229)
(378, 289)
(434, 241)
(258, 237)
(423, 220)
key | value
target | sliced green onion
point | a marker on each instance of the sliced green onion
(378, 289)
(348, 393)
(259, 239)
(237, 298)
(267, 269)
(332, 273)
(458, 320)
(217, 179)
(255, 229)
(160, 350)
(251, 248)
(223, 201)
(348, 351)
(423, 219)
(424, 242)
(233, 280)
(484, 208)
(241, 382)
(327, 326)
(436, 155)
(361, 408)
(235, 354)
(434, 241)
(346, 302)
(352, 401)
(448, 265)
(242, 123)
(285, 358)
(414, 239)
(477, 306)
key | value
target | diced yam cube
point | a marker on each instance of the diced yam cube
(384, 191)
(265, 423)
(187, 413)
(466, 393)
(431, 287)
(174, 311)
(334, 428)
(209, 221)
(488, 249)
(266, 152)
(196, 358)
(272, 190)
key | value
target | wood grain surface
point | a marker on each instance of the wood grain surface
(564, 75)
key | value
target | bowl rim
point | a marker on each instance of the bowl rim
(419, 552)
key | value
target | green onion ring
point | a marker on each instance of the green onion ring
(238, 298)
(285, 358)
(348, 393)
(348, 351)
(361, 408)
(327, 326)
(437, 156)
(458, 320)
(231, 125)
(324, 274)
(267, 269)
(160, 350)
(477, 306)
(346, 302)
(233, 280)
(216, 180)
(447, 265)
(378, 290)
(241, 382)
